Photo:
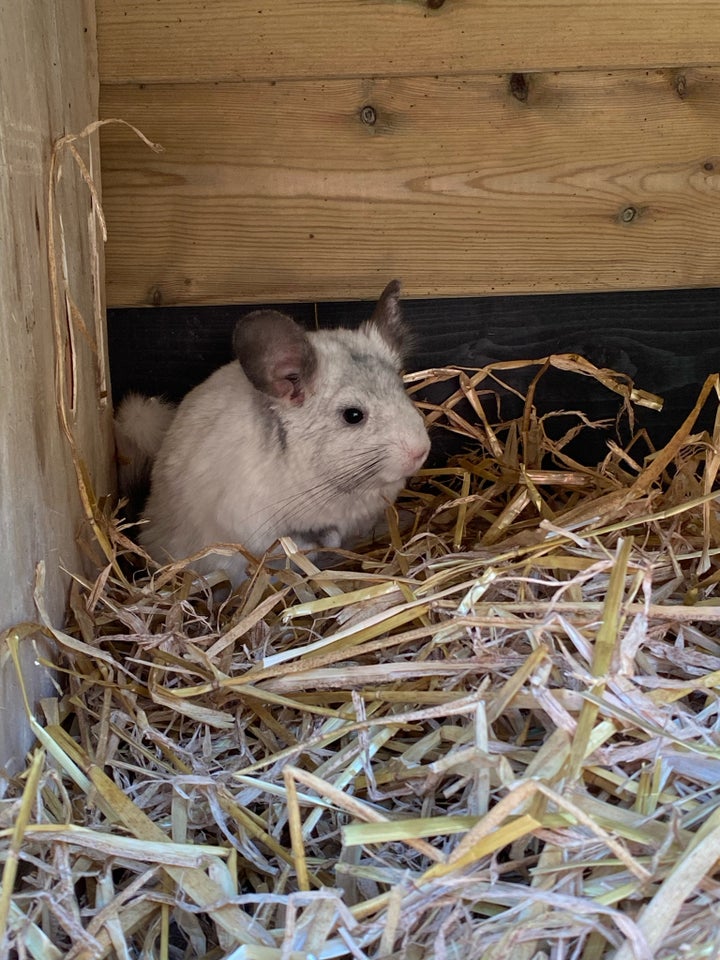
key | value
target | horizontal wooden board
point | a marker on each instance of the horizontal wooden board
(191, 40)
(666, 341)
(595, 181)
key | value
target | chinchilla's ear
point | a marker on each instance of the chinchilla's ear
(276, 355)
(387, 321)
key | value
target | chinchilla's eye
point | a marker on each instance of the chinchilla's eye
(353, 415)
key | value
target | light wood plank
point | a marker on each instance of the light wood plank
(280, 191)
(194, 40)
(49, 87)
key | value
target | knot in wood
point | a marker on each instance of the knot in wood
(519, 87)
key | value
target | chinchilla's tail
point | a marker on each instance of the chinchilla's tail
(140, 426)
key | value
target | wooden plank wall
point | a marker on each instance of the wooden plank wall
(315, 149)
(49, 88)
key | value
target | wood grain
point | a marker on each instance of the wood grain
(49, 88)
(597, 181)
(195, 40)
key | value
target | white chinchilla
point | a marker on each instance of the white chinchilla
(307, 434)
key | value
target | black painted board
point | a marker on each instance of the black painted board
(667, 341)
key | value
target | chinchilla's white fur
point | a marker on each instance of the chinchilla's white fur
(309, 435)
(140, 427)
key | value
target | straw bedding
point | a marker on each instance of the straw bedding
(491, 733)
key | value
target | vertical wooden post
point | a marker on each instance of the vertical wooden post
(49, 88)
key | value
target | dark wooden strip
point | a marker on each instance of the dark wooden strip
(667, 341)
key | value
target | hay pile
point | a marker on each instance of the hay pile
(493, 735)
